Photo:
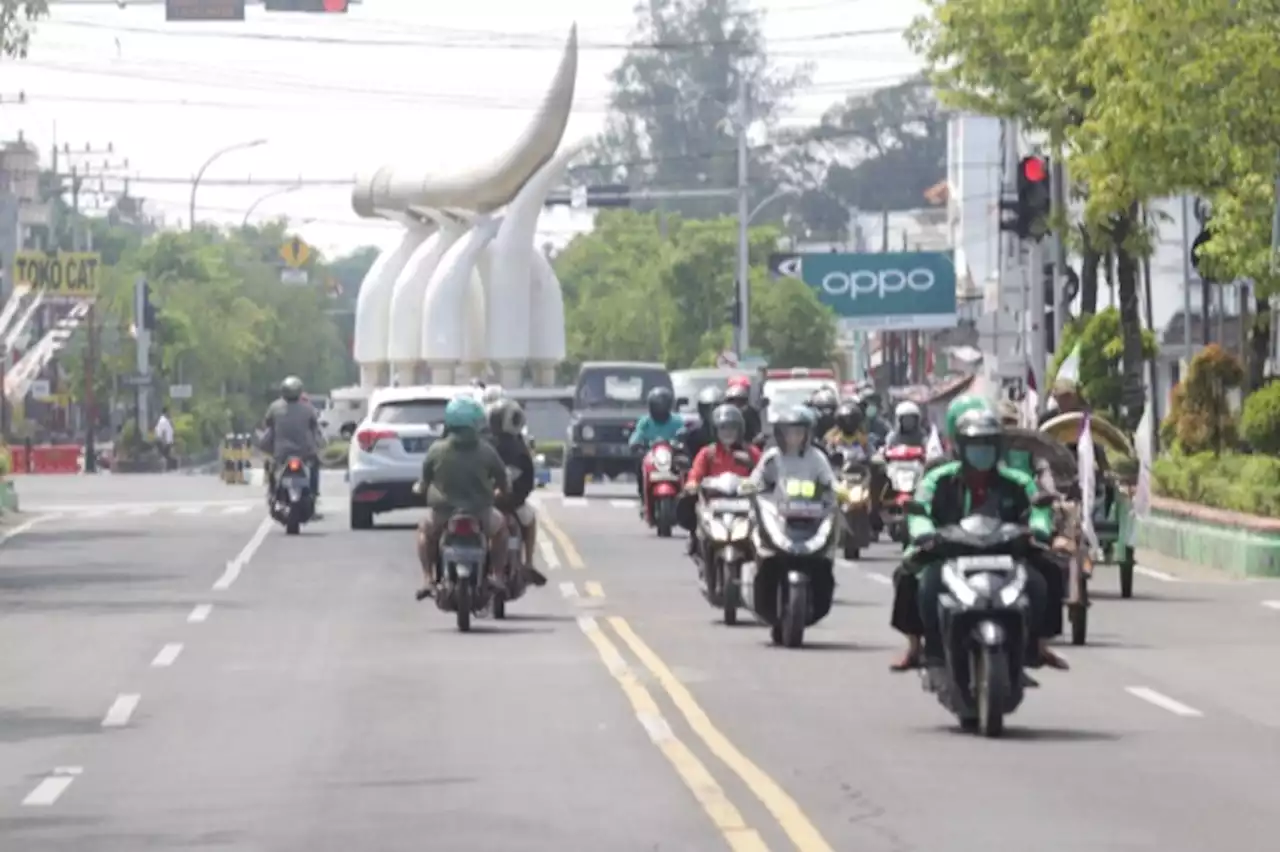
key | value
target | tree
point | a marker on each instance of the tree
(632, 293)
(673, 105)
(873, 152)
(1025, 60)
(1200, 418)
(16, 19)
(1101, 346)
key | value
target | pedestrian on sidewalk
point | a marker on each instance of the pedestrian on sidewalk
(164, 439)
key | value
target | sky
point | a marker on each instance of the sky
(440, 85)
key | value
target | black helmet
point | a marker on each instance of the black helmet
(824, 401)
(979, 439)
(291, 388)
(728, 419)
(507, 417)
(661, 401)
(849, 417)
(798, 417)
(739, 395)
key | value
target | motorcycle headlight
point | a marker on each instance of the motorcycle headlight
(957, 585)
(904, 481)
(821, 537)
(740, 529)
(662, 458)
(857, 493)
(772, 522)
(540, 460)
(719, 532)
(588, 433)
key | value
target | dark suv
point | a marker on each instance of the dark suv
(611, 396)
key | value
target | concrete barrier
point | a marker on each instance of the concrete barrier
(1243, 545)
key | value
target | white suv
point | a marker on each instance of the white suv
(385, 459)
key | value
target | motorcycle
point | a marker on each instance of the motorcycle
(464, 570)
(664, 468)
(904, 467)
(984, 612)
(855, 499)
(794, 537)
(724, 531)
(292, 503)
(517, 580)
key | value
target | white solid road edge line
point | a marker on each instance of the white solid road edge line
(1271, 604)
(200, 614)
(27, 525)
(236, 565)
(1164, 702)
(120, 711)
(168, 654)
(1156, 575)
(51, 789)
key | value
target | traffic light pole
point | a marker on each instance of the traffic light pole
(143, 362)
(1039, 357)
(1058, 194)
(743, 334)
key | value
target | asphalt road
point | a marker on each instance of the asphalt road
(177, 674)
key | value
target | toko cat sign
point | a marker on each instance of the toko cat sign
(892, 291)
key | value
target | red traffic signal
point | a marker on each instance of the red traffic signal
(1034, 169)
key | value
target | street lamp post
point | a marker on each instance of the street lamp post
(272, 194)
(743, 296)
(195, 182)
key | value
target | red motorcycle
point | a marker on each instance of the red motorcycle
(904, 467)
(664, 471)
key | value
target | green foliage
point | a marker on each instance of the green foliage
(632, 294)
(1200, 418)
(1260, 422)
(6, 460)
(16, 18)
(226, 325)
(1101, 356)
(1237, 483)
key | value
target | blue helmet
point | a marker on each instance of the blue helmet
(463, 412)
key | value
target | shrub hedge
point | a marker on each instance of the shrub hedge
(1232, 481)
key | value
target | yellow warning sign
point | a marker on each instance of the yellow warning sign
(64, 273)
(295, 253)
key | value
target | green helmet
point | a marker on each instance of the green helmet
(463, 412)
(960, 406)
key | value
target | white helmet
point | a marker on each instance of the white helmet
(492, 394)
(907, 409)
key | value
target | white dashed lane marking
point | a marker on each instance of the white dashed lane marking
(121, 710)
(51, 789)
(168, 655)
(1164, 702)
(200, 614)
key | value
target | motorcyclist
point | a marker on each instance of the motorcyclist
(292, 428)
(703, 434)
(729, 454)
(463, 473)
(824, 403)
(660, 424)
(908, 427)
(738, 394)
(850, 428)
(877, 428)
(975, 482)
(506, 429)
(792, 455)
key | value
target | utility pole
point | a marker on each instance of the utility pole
(1058, 199)
(743, 342)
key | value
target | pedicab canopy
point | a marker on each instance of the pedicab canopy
(1065, 429)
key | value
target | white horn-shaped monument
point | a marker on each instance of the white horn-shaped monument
(466, 293)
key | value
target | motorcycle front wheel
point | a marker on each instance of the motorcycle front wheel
(991, 682)
(462, 600)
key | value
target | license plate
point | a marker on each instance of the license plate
(729, 506)
(971, 564)
(414, 445)
(474, 555)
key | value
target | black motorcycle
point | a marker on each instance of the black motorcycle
(464, 587)
(795, 537)
(292, 501)
(855, 502)
(985, 619)
(724, 532)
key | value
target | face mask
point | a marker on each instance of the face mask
(981, 457)
(909, 423)
(872, 411)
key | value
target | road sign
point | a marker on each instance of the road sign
(72, 274)
(295, 253)
(289, 275)
(180, 391)
(888, 292)
(136, 380)
(203, 10)
(726, 359)
(40, 389)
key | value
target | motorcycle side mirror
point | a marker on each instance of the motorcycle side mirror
(915, 507)
(747, 487)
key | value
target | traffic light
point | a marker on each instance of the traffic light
(733, 312)
(610, 195)
(305, 5)
(148, 319)
(1030, 219)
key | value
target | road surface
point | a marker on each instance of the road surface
(177, 674)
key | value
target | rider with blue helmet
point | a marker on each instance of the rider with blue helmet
(462, 473)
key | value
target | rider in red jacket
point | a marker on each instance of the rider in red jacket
(729, 454)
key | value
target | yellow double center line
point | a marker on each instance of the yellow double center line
(710, 795)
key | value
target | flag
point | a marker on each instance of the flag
(1088, 480)
(1069, 370)
(1029, 408)
(1142, 498)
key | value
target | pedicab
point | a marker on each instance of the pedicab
(1111, 508)
(1066, 483)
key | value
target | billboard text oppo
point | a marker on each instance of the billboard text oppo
(868, 283)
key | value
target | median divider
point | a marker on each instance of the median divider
(1243, 545)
